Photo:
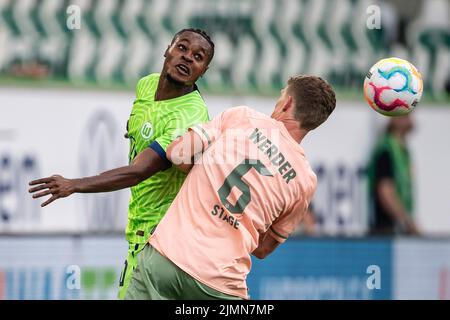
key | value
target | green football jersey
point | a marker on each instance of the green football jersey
(156, 124)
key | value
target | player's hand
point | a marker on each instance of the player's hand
(56, 185)
(410, 228)
(413, 231)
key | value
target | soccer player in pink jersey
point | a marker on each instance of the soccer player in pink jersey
(248, 188)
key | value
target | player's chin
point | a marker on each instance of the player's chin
(180, 79)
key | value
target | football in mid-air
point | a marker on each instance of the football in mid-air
(393, 87)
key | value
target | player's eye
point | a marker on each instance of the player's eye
(198, 57)
(182, 47)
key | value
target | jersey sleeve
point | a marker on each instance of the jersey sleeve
(287, 222)
(146, 85)
(210, 131)
(177, 124)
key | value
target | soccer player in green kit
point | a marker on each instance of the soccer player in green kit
(166, 106)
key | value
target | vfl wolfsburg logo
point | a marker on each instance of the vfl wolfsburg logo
(146, 130)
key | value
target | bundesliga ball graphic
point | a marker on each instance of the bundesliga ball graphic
(393, 87)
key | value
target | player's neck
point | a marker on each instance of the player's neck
(168, 89)
(294, 130)
(400, 136)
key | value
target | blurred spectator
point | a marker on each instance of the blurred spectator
(33, 69)
(390, 181)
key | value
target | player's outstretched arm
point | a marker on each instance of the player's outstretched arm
(146, 164)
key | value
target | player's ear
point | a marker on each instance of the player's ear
(165, 52)
(288, 104)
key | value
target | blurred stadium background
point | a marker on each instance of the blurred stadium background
(66, 94)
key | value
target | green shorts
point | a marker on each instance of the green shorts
(130, 264)
(158, 278)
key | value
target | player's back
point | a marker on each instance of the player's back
(253, 178)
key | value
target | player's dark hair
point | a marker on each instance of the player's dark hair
(314, 100)
(200, 32)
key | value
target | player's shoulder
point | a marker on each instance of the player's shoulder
(312, 180)
(151, 78)
(189, 110)
(307, 177)
(196, 100)
(190, 104)
(243, 111)
(146, 86)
